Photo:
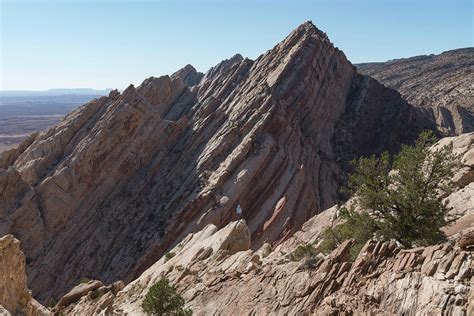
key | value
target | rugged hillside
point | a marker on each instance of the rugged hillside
(217, 272)
(443, 84)
(121, 180)
(217, 279)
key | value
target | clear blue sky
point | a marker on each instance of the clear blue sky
(100, 44)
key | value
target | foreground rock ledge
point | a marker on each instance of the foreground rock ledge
(216, 273)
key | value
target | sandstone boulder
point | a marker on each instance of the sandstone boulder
(77, 292)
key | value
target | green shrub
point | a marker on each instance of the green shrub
(358, 225)
(401, 197)
(169, 255)
(84, 280)
(162, 299)
(95, 294)
(302, 251)
(51, 302)
(311, 263)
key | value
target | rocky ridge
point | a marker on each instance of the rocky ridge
(217, 272)
(440, 84)
(125, 178)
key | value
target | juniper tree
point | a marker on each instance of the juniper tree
(401, 196)
(162, 299)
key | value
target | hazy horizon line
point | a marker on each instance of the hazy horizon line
(131, 83)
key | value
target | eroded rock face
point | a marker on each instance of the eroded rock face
(463, 146)
(15, 298)
(440, 84)
(462, 199)
(126, 177)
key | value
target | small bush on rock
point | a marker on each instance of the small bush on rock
(163, 300)
(51, 302)
(358, 225)
(302, 251)
(95, 294)
(169, 255)
(84, 280)
(311, 263)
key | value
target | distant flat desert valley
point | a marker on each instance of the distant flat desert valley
(24, 113)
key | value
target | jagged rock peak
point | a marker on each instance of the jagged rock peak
(223, 66)
(189, 67)
(152, 81)
(161, 91)
(309, 28)
(130, 95)
(129, 90)
(237, 58)
(189, 75)
(114, 93)
(304, 32)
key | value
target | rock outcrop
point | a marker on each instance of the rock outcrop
(383, 280)
(462, 199)
(441, 85)
(15, 298)
(123, 179)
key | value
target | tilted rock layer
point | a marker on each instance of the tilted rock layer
(441, 84)
(124, 178)
(218, 273)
